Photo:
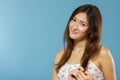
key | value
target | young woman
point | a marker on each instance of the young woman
(83, 57)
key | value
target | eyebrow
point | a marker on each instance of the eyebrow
(80, 20)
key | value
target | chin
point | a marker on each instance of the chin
(74, 37)
(77, 37)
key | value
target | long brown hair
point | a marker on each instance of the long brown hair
(93, 38)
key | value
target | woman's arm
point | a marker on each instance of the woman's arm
(59, 54)
(54, 77)
(107, 64)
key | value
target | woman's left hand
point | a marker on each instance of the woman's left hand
(80, 74)
(84, 75)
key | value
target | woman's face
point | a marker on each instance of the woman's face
(78, 27)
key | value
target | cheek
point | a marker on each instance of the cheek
(84, 30)
(71, 24)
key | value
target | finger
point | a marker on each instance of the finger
(88, 74)
(81, 68)
(71, 78)
(82, 74)
(80, 77)
(74, 73)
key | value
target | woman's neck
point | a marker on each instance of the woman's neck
(80, 45)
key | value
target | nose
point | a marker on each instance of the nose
(75, 26)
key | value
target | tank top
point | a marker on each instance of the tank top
(64, 70)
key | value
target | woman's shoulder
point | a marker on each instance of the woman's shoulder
(107, 63)
(104, 53)
(59, 55)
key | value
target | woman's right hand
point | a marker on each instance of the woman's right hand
(79, 74)
(72, 75)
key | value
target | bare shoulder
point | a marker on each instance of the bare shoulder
(105, 53)
(59, 55)
(107, 63)
(105, 57)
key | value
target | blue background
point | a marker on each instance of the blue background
(31, 34)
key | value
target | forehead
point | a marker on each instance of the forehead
(81, 17)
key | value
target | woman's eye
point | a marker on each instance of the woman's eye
(74, 19)
(83, 24)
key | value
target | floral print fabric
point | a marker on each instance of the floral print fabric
(64, 70)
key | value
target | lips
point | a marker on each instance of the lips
(74, 32)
